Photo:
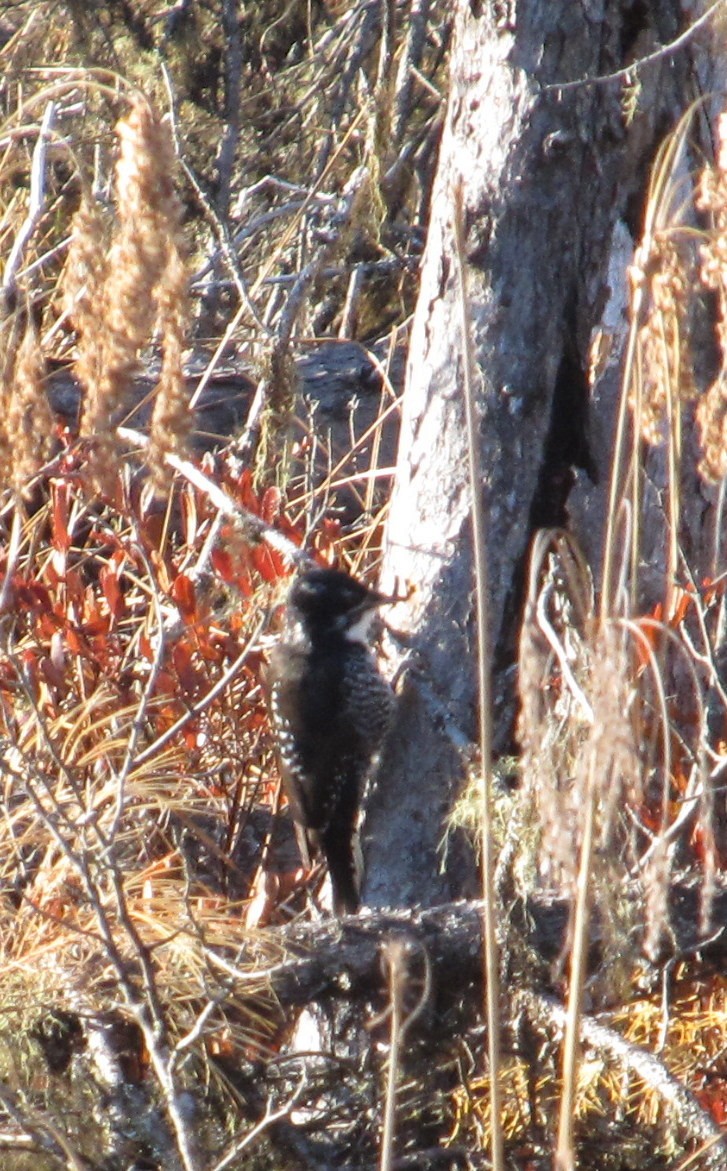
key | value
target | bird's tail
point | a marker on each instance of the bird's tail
(342, 856)
(307, 844)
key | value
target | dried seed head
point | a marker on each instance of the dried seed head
(122, 292)
(10, 340)
(29, 420)
(667, 376)
(712, 422)
(171, 421)
(147, 225)
(83, 294)
(712, 409)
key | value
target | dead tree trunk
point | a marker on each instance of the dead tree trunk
(547, 172)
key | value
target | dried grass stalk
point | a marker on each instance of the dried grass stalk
(555, 714)
(83, 293)
(578, 728)
(9, 344)
(26, 422)
(120, 294)
(29, 419)
(667, 375)
(171, 421)
(712, 409)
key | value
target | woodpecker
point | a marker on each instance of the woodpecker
(330, 709)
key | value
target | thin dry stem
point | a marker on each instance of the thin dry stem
(657, 376)
(565, 1149)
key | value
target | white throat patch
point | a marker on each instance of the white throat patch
(360, 630)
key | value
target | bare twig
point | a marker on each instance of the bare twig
(37, 198)
(659, 54)
(41, 1130)
(269, 1119)
(251, 524)
(565, 1151)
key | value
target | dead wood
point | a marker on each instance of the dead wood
(341, 958)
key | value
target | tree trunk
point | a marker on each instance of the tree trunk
(546, 173)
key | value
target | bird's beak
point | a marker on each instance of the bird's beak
(389, 599)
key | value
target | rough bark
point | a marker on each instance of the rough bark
(546, 173)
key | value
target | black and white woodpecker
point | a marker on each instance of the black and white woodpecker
(330, 709)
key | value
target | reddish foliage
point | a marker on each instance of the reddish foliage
(111, 586)
(109, 621)
(60, 495)
(713, 1097)
(182, 590)
(270, 505)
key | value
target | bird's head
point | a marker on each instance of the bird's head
(329, 601)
